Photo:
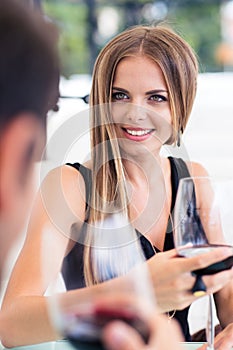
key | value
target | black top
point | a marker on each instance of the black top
(72, 269)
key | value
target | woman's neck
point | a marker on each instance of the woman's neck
(149, 193)
(146, 170)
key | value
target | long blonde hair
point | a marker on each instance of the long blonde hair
(179, 65)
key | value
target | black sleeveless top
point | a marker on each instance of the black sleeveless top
(72, 268)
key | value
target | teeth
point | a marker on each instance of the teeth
(138, 132)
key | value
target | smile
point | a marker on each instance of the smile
(137, 134)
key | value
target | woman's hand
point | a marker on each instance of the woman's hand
(118, 335)
(172, 279)
(224, 340)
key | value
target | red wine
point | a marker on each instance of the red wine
(225, 264)
(86, 329)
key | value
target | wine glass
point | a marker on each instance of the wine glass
(115, 252)
(202, 222)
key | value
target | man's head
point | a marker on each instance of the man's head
(29, 79)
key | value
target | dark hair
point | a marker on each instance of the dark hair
(29, 67)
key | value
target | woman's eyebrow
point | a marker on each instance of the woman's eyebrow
(156, 91)
(119, 89)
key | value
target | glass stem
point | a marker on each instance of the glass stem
(210, 324)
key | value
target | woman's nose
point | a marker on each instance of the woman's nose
(136, 112)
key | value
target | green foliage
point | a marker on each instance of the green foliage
(198, 21)
(199, 24)
(71, 21)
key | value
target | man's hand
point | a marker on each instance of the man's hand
(164, 336)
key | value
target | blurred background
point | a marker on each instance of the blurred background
(85, 27)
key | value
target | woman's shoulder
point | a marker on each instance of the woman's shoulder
(66, 172)
(64, 184)
(61, 176)
(196, 169)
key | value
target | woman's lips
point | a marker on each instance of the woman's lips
(137, 134)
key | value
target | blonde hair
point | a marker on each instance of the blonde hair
(179, 65)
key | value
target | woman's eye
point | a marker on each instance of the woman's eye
(158, 98)
(118, 96)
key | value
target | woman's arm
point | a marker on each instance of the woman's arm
(59, 203)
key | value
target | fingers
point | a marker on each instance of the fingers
(172, 253)
(224, 340)
(205, 259)
(192, 263)
(173, 282)
(216, 282)
(118, 335)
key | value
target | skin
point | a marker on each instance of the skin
(117, 335)
(24, 312)
(223, 340)
(18, 172)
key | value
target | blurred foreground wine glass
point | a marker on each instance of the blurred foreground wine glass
(115, 251)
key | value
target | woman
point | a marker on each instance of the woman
(144, 85)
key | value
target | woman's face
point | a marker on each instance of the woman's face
(140, 109)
